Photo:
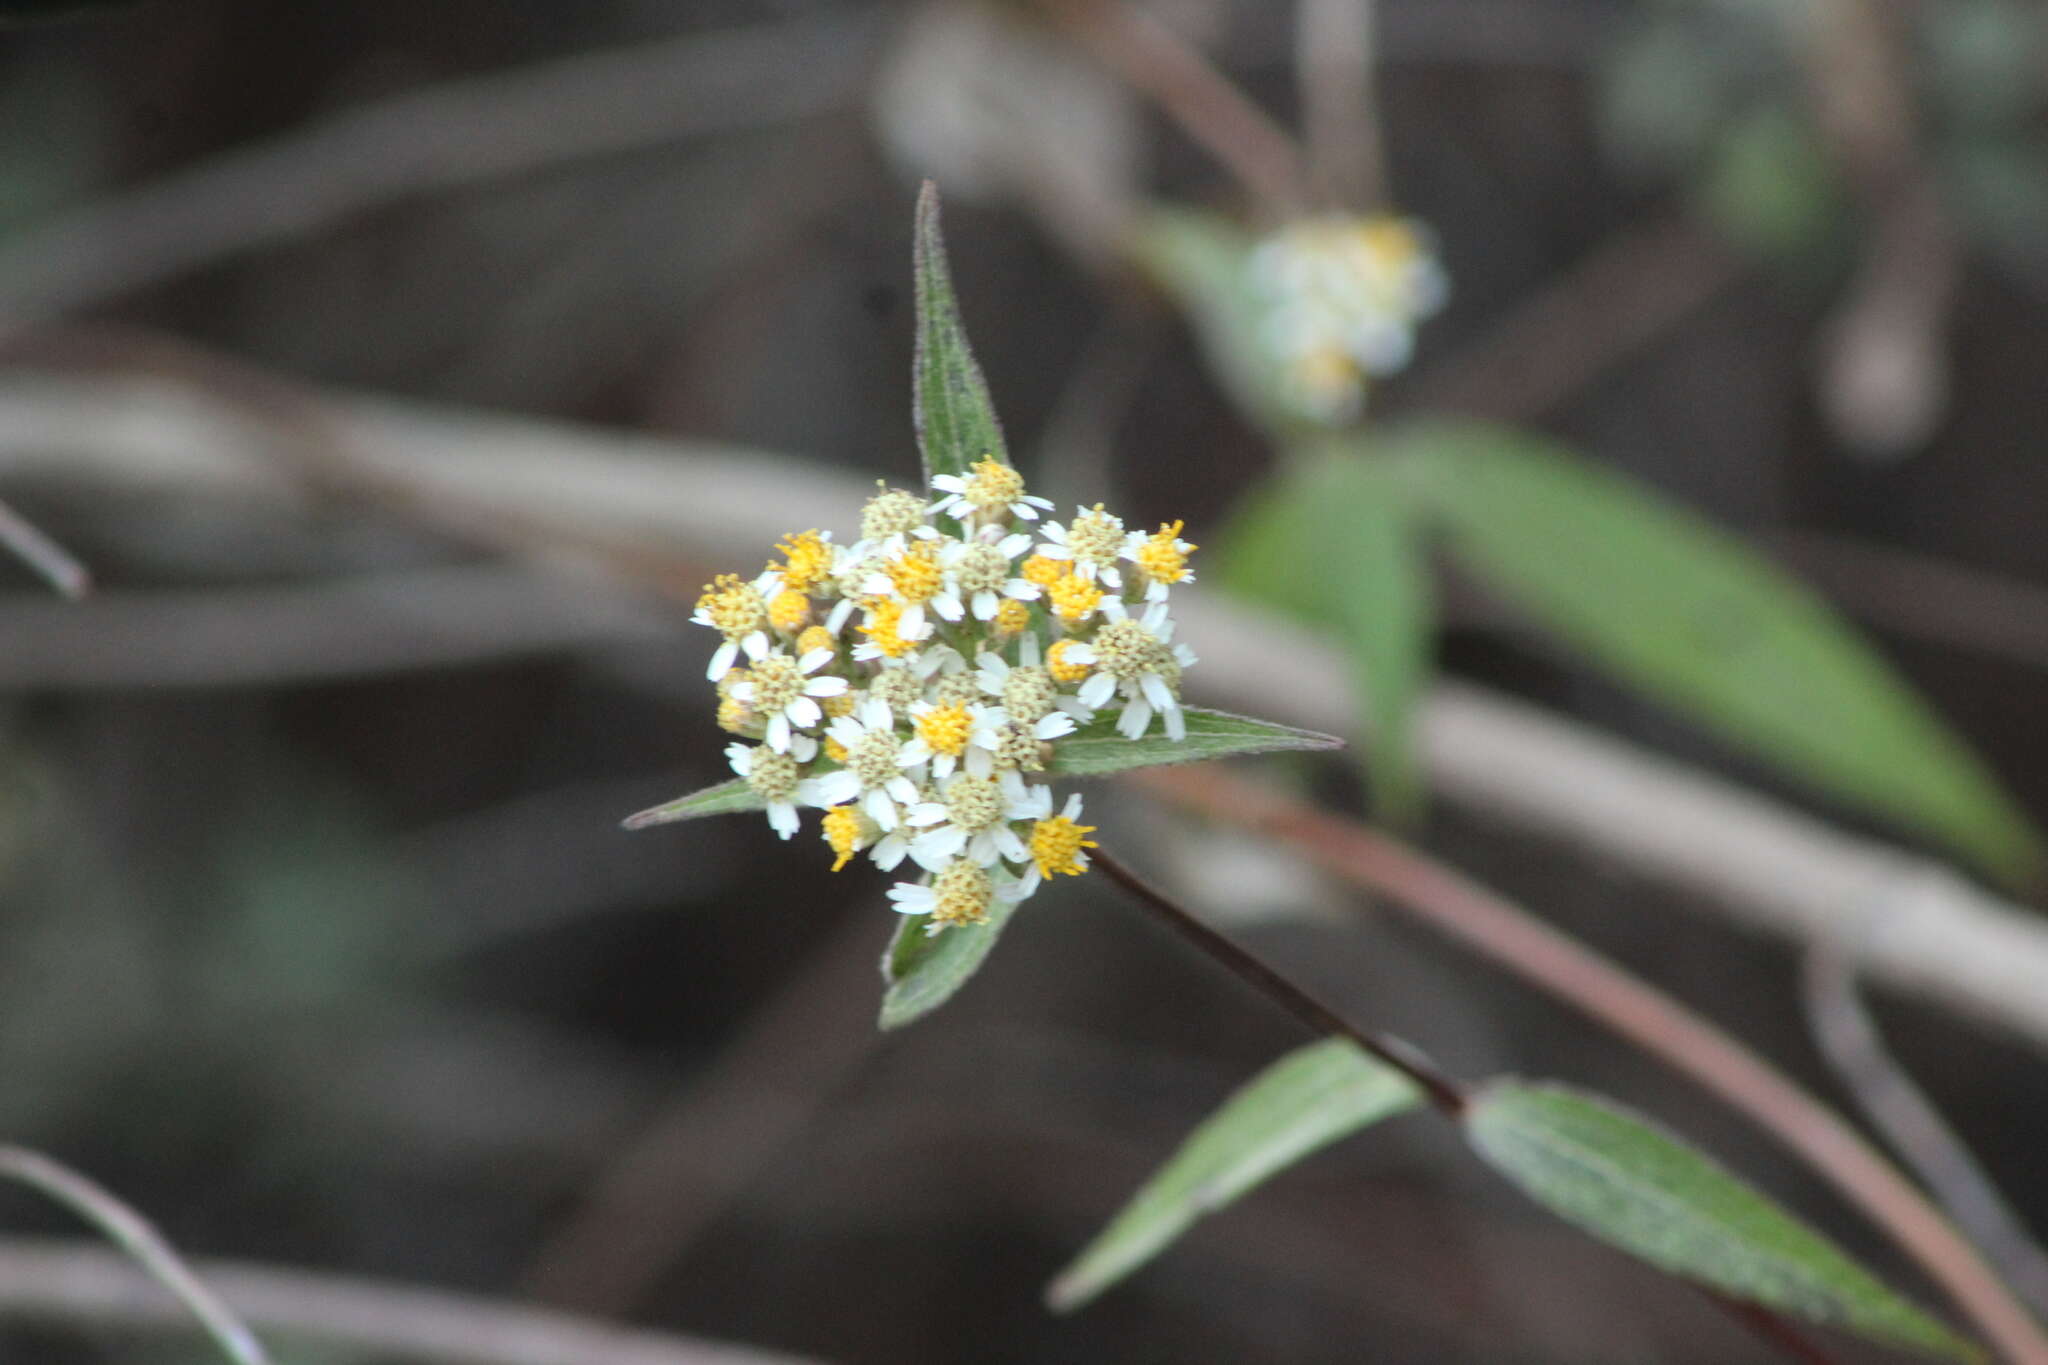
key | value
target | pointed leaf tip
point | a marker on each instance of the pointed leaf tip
(954, 416)
(1638, 1188)
(1300, 1104)
(727, 798)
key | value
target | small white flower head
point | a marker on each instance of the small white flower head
(1092, 542)
(776, 778)
(1136, 660)
(960, 893)
(891, 512)
(980, 574)
(1058, 843)
(738, 610)
(873, 775)
(990, 493)
(1161, 559)
(893, 629)
(973, 819)
(780, 691)
(945, 734)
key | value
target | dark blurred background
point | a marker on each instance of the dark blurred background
(321, 942)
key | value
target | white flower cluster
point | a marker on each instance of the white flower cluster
(1342, 298)
(914, 683)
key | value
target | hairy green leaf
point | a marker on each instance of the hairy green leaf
(1096, 748)
(1299, 1105)
(1335, 541)
(1638, 1188)
(727, 798)
(956, 421)
(1691, 616)
(923, 970)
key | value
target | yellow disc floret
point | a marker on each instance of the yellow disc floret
(1096, 537)
(1164, 555)
(845, 833)
(885, 615)
(815, 637)
(1012, 617)
(808, 560)
(1061, 668)
(840, 704)
(993, 486)
(961, 891)
(945, 729)
(1044, 570)
(1074, 598)
(916, 573)
(891, 512)
(732, 605)
(1056, 846)
(788, 610)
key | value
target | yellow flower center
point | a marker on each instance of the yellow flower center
(1012, 617)
(1044, 571)
(945, 729)
(834, 750)
(732, 605)
(1056, 663)
(885, 615)
(1056, 846)
(916, 573)
(1096, 537)
(993, 487)
(734, 716)
(841, 704)
(843, 832)
(963, 890)
(809, 560)
(891, 512)
(1161, 556)
(788, 610)
(815, 637)
(1074, 598)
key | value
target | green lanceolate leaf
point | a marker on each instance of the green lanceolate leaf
(1300, 1104)
(1675, 607)
(923, 970)
(956, 421)
(1335, 541)
(1636, 1187)
(727, 798)
(1096, 748)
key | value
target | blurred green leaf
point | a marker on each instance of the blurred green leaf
(1097, 749)
(1302, 1103)
(1335, 541)
(956, 421)
(1769, 184)
(923, 970)
(1200, 259)
(1638, 1188)
(727, 798)
(1691, 616)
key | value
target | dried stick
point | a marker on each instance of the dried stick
(43, 554)
(1335, 63)
(1208, 107)
(56, 1280)
(135, 1235)
(1636, 1011)
(1900, 1110)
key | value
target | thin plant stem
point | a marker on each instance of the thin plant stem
(1446, 1094)
(35, 549)
(1768, 1327)
(133, 1234)
(1206, 105)
(1640, 1013)
(1335, 65)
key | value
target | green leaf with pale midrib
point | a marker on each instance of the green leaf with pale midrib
(1096, 749)
(1635, 1187)
(1693, 617)
(727, 798)
(956, 419)
(1298, 1105)
(923, 970)
(1335, 540)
